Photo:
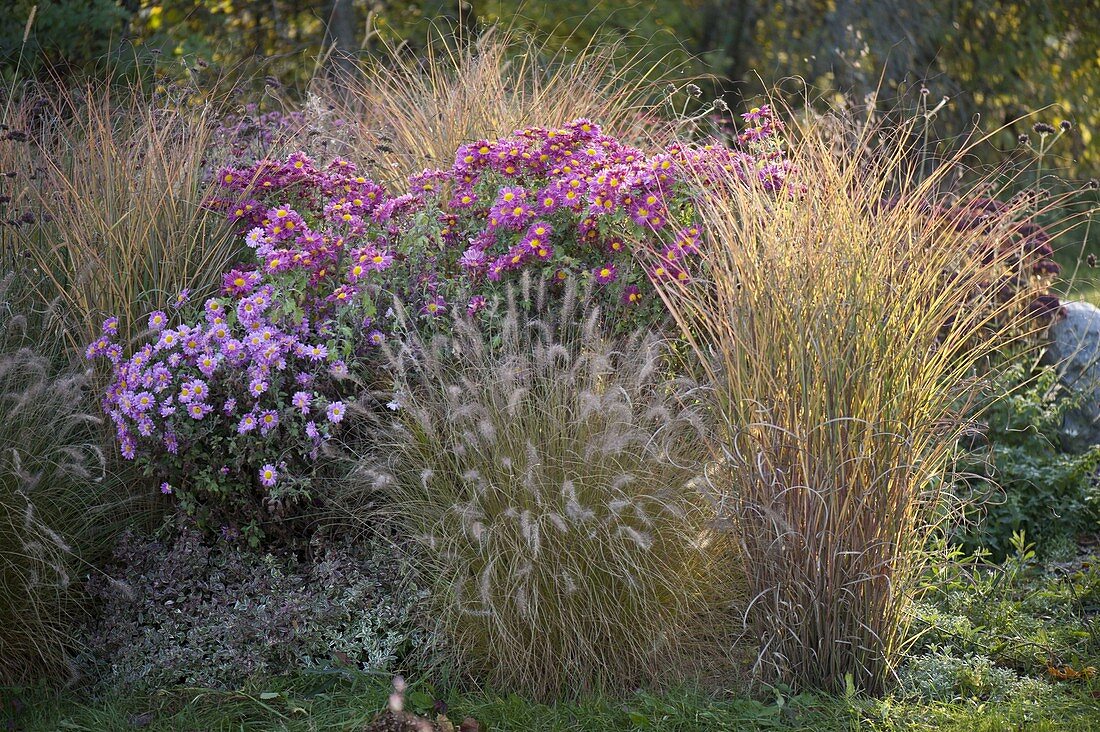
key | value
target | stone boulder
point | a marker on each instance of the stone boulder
(1075, 349)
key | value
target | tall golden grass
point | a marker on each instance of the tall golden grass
(413, 113)
(120, 184)
(841, 326)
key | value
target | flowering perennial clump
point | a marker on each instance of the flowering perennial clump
(233, 408)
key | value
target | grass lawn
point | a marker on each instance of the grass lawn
(337, 701)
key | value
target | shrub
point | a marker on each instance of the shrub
(548, 476)
(200, 612)
(846, 320)
(1024, 481)
(941, 677)
(49, 467)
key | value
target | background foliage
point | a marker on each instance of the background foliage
(994, 58)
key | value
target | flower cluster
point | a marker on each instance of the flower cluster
(562, 201)
(232, 410)
(231, 407)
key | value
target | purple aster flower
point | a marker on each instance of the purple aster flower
(606, 274)
(435, 307)
(268, 420)
(474, 259)
(379, 260)
(338, 369)
(312, 432)
(247, 423)
(198, 410)
(230, 406)
(301, 400)
(477, 302)
(257, 386)
(110, 327)
(97, 347)
(143, 402)
(208, 364)
(376, 337)
(157, 320)
(166, 488)
(268, 475)
(238, 282)
(335, 412)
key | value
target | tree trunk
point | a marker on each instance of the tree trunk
(340, 34)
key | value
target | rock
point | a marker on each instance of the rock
(1075, 349)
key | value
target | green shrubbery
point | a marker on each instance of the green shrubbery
(1023, 480)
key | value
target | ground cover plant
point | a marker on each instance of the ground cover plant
(197, 612)
(1026, 483)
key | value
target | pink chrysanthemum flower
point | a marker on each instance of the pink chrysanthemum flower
(606, 274)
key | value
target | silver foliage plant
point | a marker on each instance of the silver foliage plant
(549, 474)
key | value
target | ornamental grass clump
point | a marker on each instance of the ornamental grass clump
(549, 478)
(841, 321)
(117, 197)
(50, 466)
(415, 112)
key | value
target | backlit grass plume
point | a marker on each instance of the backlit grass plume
(841, 322)
(414, 113)
(549, 476)
(116, 185)
(49, 463)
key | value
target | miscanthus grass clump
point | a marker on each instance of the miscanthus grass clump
(549, 476)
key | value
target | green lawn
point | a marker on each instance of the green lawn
(338, 702)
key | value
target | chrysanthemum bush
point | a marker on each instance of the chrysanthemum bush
(550, 477)
(233, 408)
